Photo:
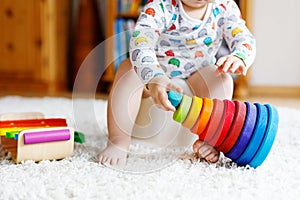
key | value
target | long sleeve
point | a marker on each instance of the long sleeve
(239, 39)
(152, 21)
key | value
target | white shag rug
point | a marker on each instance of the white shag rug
(150, 173)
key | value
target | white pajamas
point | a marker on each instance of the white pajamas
(167, 41)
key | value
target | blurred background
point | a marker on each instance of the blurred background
(43, 44)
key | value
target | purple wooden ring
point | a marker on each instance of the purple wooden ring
(257, 137)
(245, 134)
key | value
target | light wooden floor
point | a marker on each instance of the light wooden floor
(292, 102)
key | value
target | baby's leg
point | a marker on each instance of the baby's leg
(123, 105)
(203, 83)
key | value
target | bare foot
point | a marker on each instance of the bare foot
(113, 155)
(206, 151)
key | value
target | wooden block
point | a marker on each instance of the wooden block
(33, 123)
(44, 151)
(4, 131)
(21, 116)
(8, 143)
(46, 135)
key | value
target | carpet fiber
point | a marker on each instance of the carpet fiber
(150, 173)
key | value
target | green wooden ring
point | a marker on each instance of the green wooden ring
(181, 113)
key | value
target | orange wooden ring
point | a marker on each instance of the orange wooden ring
(204, 116)
(214, 121)
(193, 113)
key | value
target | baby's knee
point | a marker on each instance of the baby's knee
(227, 80)
(124, 66)
(228, 86)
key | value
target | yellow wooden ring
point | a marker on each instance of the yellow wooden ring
(204, 116)
(182, 111)
(193, 113)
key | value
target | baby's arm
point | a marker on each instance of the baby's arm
(240, 42)
(151, 23)
(158, 87)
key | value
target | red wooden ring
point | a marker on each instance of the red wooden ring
(214, 121)
(236, 127)
(225, 123)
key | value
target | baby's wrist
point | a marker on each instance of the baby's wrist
(160, 80)
(240, 57)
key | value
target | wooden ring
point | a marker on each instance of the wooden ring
(204, 116)
(225, 123)
(269, 137)
(181, 113)
(245, 134)
(174, 98)
(193, 113)
(257, 136)
(235, 129)
(214, 121)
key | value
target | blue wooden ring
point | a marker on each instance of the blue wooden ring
(257, 136)
(269, 137)
(245, 134)
(175, 98)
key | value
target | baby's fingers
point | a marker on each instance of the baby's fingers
(171, 86)
(165, 103)
(221, 61)
(235, 68)
(224, 64)
(240, 70)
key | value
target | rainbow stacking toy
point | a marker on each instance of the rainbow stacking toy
(30, 136)
(244, 132)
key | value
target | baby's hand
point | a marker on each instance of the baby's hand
(231, 64)
(158, 88)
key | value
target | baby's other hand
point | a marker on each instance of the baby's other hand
(158, 88)
(231, 64)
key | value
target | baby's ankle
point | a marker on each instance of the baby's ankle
(124, 145)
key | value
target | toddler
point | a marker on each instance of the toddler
(176, 39)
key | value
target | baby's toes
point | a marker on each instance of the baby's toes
(113, 161)
(213, 156)
(117, 161)
(204, 151)
(197, 145)
(122, 161)
(102, 159)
